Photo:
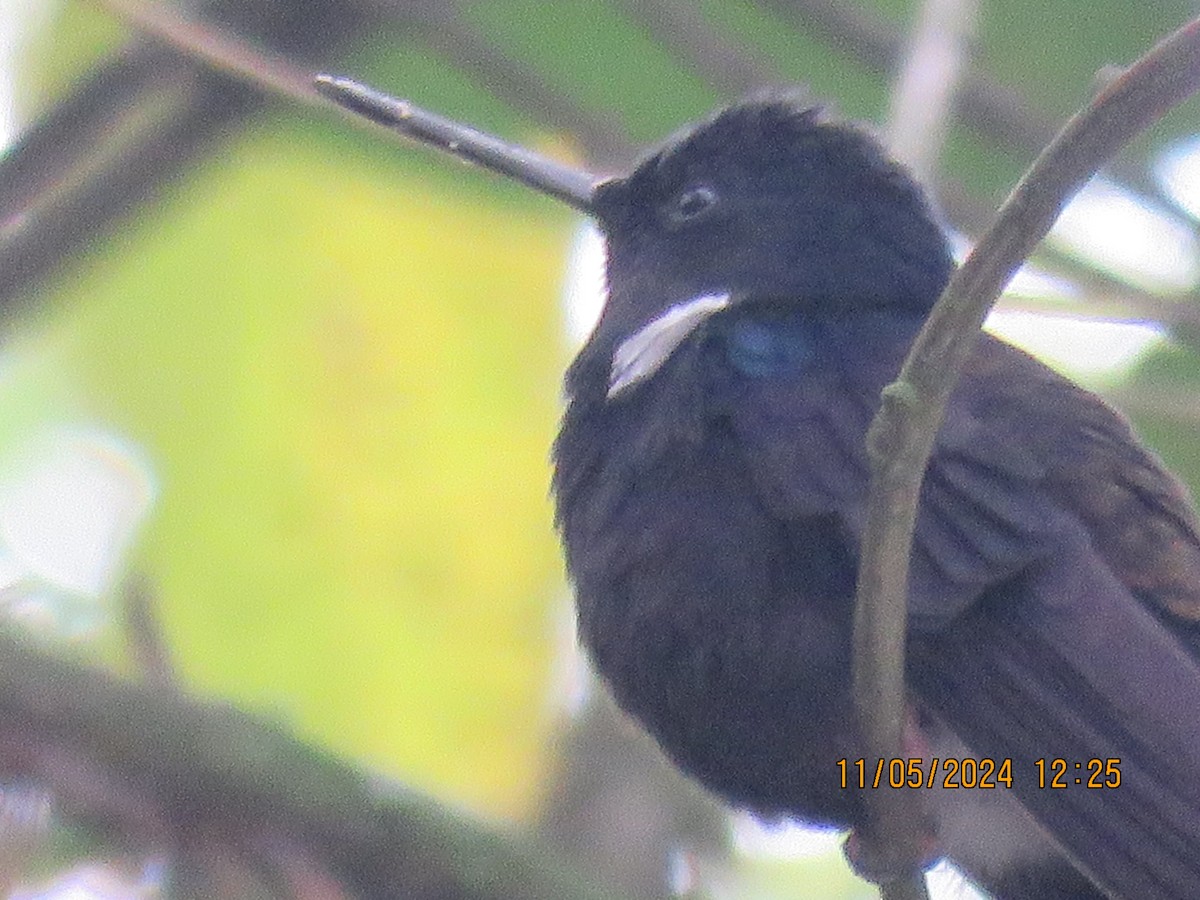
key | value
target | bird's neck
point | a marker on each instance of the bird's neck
(756, 342)
(760, 339)
(770, 341)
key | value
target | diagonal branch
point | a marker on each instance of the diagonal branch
(163, 768)
(216, 47)
(141, 116)
(99, 153)
(902, 435)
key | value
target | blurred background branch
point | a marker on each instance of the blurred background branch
(165, 771)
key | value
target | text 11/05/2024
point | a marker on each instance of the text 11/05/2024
(953, 773)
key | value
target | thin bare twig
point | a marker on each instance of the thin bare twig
(439, 25)
(922, 102)
(217, 47)
(144, 633)
(902, 434)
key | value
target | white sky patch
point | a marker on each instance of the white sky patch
(757, 840)
(8, 47)
(70, 509)
(785, 840)
(100, 881)
(1178, 171)
(1129, 237)
(1033, 282)
(584, 292)
(18, 18)
(945, 882)
(1096, 349)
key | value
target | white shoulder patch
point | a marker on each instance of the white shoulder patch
(642, 353)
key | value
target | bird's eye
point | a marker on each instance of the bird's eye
(691, 204)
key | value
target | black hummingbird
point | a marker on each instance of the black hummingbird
(767, 272)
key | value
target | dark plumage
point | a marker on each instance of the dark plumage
(711, 479)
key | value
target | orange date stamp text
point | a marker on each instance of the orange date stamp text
(985, 773)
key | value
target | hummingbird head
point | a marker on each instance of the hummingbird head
(767, 201)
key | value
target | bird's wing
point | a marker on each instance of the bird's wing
(1022, 447)
(1055, 595)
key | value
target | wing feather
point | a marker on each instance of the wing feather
(1087, 557)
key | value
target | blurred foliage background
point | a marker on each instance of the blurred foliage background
(304, 381)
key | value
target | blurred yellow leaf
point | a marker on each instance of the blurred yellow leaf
(348, 382)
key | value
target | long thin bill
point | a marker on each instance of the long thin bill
(532, 169)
